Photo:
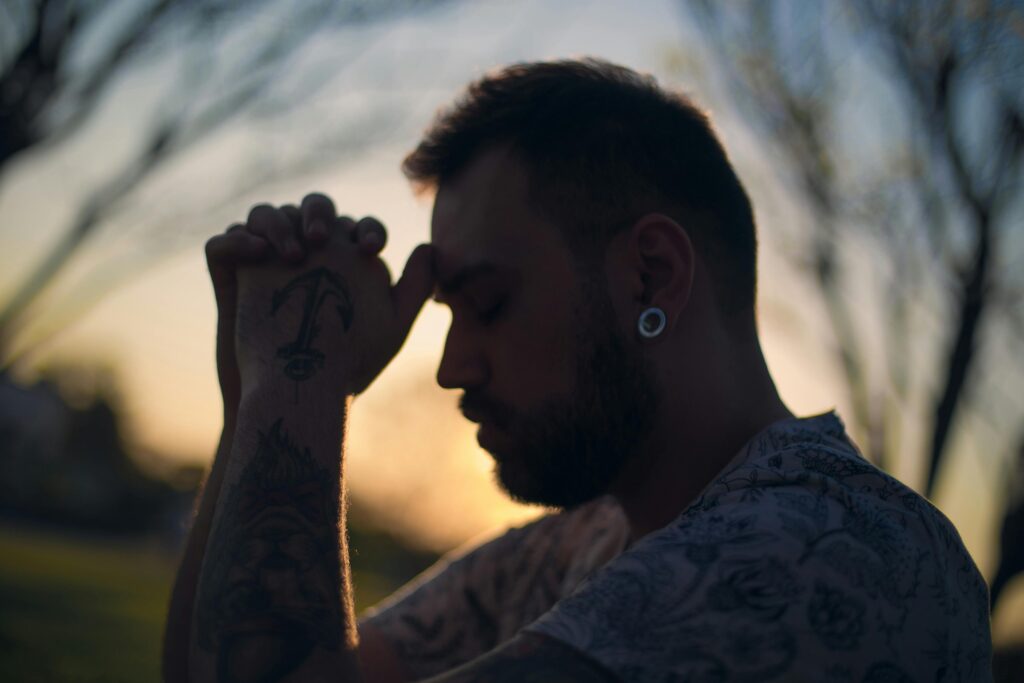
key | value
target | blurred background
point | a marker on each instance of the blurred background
(882, 144)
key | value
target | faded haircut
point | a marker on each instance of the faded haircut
(603, 145)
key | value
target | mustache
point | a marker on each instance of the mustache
(477, 406)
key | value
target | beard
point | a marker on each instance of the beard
(570, 449)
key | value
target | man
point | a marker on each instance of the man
(598, 255)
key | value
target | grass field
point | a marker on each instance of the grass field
(85, 611)
(76, 610)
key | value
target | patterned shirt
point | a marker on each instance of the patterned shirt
(800, 561)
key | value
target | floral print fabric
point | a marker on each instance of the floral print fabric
(801, 561)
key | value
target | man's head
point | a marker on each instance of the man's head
(571, 196)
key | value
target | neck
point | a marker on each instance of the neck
(708, 412)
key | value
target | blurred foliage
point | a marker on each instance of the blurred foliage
(90, 540)
(208, 65)
(63, 459)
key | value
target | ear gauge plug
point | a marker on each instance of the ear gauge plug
(651, 323)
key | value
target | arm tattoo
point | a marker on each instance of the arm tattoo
(270, 594)
(301, 359)
(530, 658)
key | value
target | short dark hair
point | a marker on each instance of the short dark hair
(602, 145)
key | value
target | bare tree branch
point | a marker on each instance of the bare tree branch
(947, 66)
(204, 99)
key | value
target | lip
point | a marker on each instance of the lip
(485, 437)
(473, 416)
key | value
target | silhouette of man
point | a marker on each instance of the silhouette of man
(597, 252)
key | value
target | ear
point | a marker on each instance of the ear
(662, 261)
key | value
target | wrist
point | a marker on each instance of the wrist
(297, 372)
(316, 420)
(274, 388)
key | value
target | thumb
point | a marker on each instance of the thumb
(415, 286)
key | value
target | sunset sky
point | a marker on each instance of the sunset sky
(413, 459)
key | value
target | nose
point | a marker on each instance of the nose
(462, 363)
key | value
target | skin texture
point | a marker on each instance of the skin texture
(272, 600)
(267, 235)
(273, 582)
(700, 383)
(308, 318)
(271, 603)
(561, 394)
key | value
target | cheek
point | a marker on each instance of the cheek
(534, 354)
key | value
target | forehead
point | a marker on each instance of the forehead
(483, 215)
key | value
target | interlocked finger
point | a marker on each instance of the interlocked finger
(370, 235)
(225, 251)
(317, 215)
(272, 224)
(294, 215)
(347, 227)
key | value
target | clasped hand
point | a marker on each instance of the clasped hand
(304, 298)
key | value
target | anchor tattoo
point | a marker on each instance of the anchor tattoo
(302, 360)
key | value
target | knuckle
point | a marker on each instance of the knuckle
(315, 197)
(261, 212)
(292, 213)
(214, 251)
(371, 233)
(220, 247)
(214, 242)
(372, 226)
(317, 201)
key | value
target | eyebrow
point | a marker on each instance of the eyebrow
(450, 286)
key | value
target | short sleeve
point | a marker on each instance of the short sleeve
(470, 602)
(780, 582)
(667, 608)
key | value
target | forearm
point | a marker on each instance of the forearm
(179, 612)
(274, 595)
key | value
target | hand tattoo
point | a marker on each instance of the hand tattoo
(301, 359)
(270, 594)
